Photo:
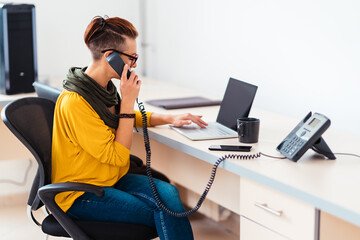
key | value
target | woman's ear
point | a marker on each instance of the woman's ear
(105, 57)
(107, 53)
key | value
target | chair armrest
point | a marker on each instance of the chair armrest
(55, 188)
(47, 195)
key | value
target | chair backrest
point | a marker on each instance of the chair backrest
(31, 121)
(46, 91)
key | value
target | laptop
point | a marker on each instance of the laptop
(237, 102)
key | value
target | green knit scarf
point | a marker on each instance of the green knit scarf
(97, 96)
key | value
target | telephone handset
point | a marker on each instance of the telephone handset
(307, 134)
(117, 63)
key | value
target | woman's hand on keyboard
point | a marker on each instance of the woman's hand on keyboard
(180, 120)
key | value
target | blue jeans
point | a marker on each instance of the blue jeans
(131, 200)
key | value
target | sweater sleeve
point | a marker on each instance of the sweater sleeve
(138, 119)
(88, 131)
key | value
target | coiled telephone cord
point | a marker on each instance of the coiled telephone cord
(212, 175)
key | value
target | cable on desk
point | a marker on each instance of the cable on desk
(348, 154)
(158, 200)
(272, 156)
(23, 181)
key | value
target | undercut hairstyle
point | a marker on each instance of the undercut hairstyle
(108, 33)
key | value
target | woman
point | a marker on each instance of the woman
(92, 138)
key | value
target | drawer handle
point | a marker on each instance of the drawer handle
(266, 208)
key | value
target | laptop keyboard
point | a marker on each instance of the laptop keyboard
(212, 130)
(215, 130)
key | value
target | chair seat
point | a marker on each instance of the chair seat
(101, 230)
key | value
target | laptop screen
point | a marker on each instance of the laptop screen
(237, 102)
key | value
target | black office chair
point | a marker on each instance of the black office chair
(136, 164)
(31, 120)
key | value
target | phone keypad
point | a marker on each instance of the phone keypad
(293, 145)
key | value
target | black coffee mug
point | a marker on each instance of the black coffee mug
(248, 130)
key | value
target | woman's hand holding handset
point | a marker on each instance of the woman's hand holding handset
(129, 87)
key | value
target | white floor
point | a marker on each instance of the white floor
(15, 225)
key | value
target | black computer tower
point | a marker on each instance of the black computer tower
(18, 58)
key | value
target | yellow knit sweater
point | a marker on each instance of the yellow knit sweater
(84, 148)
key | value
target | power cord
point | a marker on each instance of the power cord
(23, 181)
(212, 175)
(348, 154)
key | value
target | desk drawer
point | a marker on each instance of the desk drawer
(276, 211)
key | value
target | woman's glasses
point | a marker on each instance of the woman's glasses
(133, 58)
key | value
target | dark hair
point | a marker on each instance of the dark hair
(106, 33)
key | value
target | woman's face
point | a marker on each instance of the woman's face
(131, 50)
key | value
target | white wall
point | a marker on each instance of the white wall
(303, 55)
(61, 26)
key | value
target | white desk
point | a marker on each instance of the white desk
(328, 185)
